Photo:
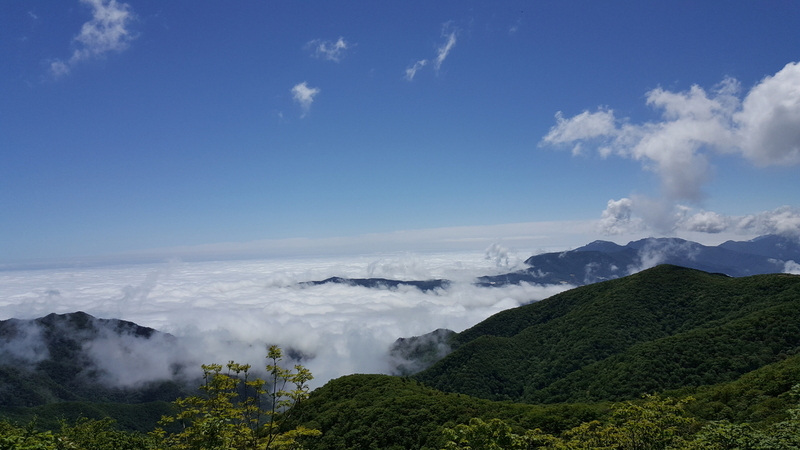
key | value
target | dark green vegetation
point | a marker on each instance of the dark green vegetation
(380, 411)
(45, 361)
(664, 328)
(569, 372)
(411, 355)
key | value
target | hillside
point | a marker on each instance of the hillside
(663, 328)
(50, 359)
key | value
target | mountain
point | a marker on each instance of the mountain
(51, 359)
(603, 260)
(663, 328)
(771, 246)
(411, 355)
(381, 283)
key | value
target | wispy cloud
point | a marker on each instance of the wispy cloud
(107, 31)
(328, 50)
(412, 71)
(444, 49)
(304, 95)
(449, 33)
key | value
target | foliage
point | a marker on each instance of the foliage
(380, 411)
(237, 412)
(493, 435)
(663, 328)
(84, 434)
(69, 374)
(141, 417)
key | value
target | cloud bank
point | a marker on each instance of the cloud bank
(641, 214)
(232, 310)
(106, 32)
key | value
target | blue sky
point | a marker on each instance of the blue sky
(127, 126)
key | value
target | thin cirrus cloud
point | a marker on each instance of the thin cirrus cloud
(328, 50)
(304, 95)
(441, 53)
(695, 125)
(412, 70)
(106, 32)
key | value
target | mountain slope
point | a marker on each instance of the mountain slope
(662, 328)
(49, 359)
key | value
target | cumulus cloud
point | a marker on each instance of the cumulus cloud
(502, 256)
(106, 32)
(304, 95)
(618, 218)
(762, 127)
(637, 214)
(791, 267)
(328, 50)
(231, 310)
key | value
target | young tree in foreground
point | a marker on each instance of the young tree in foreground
(236, 412)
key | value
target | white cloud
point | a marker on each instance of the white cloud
(232, 310)
(304, 95)
(763, 128)
(784, 221)
(706, 222)
(637, 214)
(328, 50)
(444, 50)
(412, 70)
(107, 31)
(441, 52)
(618, 218)
(584, 126)
(791, 267)
(769, 120)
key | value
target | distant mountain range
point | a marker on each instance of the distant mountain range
(603, 260)
(382, 283)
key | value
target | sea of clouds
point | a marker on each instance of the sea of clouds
(231, 310)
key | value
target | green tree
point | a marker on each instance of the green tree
(493, 435)
(236, 412)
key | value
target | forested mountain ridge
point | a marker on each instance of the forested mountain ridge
(48, 359)
(662, 328)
